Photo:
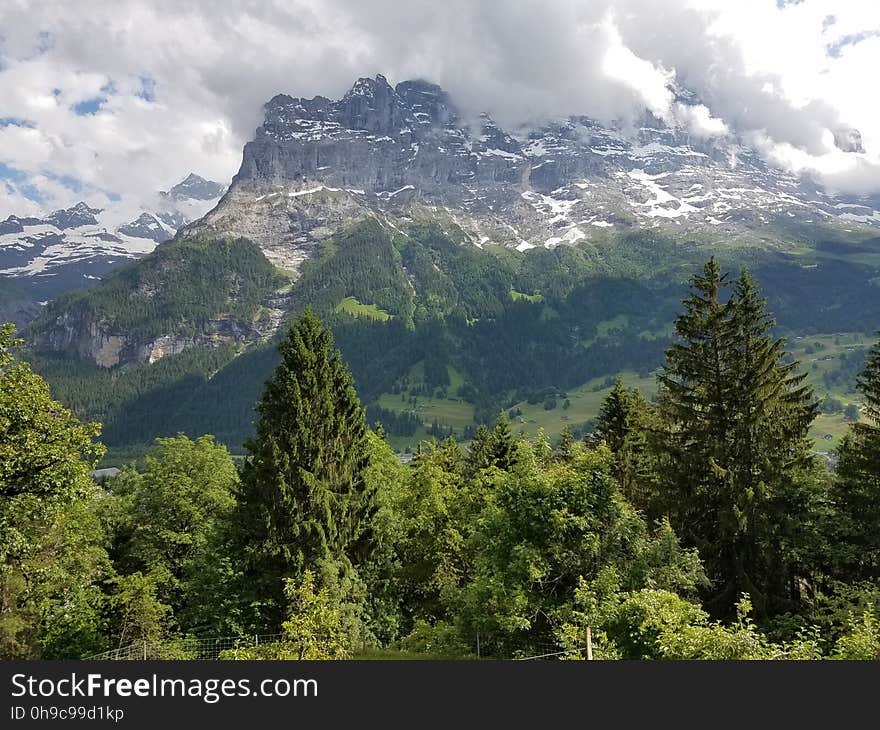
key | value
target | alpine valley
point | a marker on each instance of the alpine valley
(464, 268)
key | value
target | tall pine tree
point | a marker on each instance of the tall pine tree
(627, 424)
(856, 489)
(738, 482)
(491, 448)
(611, 424)
(304, 500)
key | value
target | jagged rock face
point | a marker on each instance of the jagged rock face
(194, 187)
(848, 139)
(379, 139)
(94, 339)
(407, 152)
(146, 226)
(79, 215)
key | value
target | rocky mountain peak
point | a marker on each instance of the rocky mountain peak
(374, 106)
(428, 102)
(195, 187)
(78, 215)
(848, 139)
(147, 226)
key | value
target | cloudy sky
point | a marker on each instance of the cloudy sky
(115, 99)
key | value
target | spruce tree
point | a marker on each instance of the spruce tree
(736, 415)
(626, 424)
(611, 422)
(304, 499)
(501, 444)
(491, 448)
(856, 488)
(479, 453)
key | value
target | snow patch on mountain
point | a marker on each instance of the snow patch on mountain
(75, 246)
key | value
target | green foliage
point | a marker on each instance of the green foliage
(862, 641)
(856, 489)
(361, 275)
(138, 614)
(387, 479)
(434, 510)
(164, 515)
(328, 537)
(628, 425)
(545, 530)
(50, 555)
(658, 624)
(438, 641)
(303, 496)
(45, 453)
(314, 629)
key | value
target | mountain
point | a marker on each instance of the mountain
(464, 268)
(70, 248)
(406, 152)
(193, 187)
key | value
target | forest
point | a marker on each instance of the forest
(511, 326)
(697, 525)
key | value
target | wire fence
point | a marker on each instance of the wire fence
(551, 655)
(185, 648)
(192, 648)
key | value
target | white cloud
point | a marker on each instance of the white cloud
(179, 84)
(699, 120)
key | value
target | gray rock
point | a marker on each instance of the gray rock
(79, 215)
(146, 226)
(194, 187)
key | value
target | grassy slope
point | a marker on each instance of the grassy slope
(586, 400)
(355, 308)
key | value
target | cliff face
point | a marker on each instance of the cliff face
(380, 139)
(188, 293)
(100, 341)
(407, 152)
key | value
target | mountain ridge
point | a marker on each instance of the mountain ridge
(406, 151)
(72, 247)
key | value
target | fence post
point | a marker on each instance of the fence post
(478, 645)
(589, 644)
(145, 650)
(256, 639)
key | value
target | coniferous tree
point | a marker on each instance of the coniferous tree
(479, 453)
(303, 499)
(491, 448)
(501, 444)
(626, 423)
(856, 489)
(611, 422)
(737, 482)
(565, 450)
